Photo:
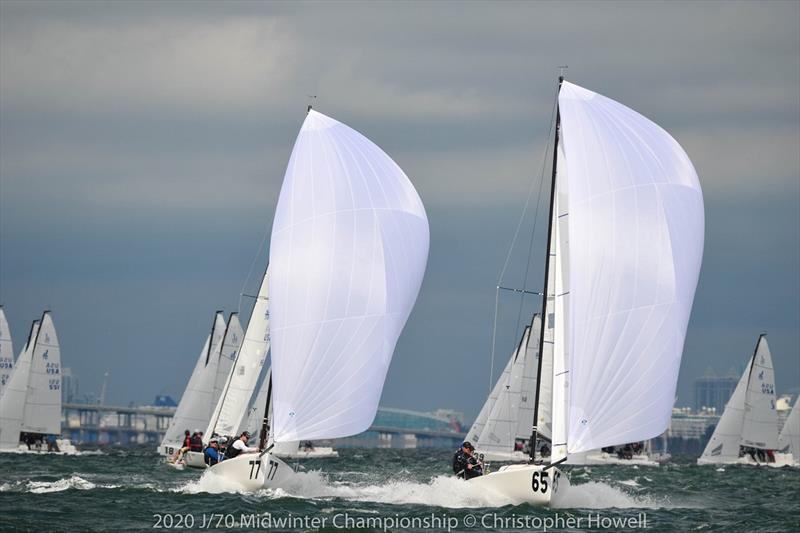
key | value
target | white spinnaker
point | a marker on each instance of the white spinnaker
(635, 242)
(193, 410)
(723, 446)
(760, 426)
(789, 440)
(12, 404)
(475, 431)
(500, 431)
(43, 403)
(348, 253)
(232, 406)
(528, 386)
(6, 351)
(228, 351)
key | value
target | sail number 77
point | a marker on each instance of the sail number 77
(255, 468)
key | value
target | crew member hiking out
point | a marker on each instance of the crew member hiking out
(240, 446)
(465, 464)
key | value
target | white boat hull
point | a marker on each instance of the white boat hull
(781, 459)
(253, 471)
(65, 447)
(603, 458)
(525, 483)
(317, 453)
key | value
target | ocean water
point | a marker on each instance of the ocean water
(377, 490)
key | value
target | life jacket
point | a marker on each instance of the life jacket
(187, 441)
(196, 443)
(231, 452)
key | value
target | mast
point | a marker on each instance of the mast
(264, 434)
(534, 429)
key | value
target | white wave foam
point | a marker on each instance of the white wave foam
(599, 495)
(74, 482)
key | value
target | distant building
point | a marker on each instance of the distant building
(69, 386)
(712, 392)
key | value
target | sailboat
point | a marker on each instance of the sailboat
(625, 243)
(789, 439)
(198, 400)
(30, 408)
(348, 251)
(6, 351)
(747, 431)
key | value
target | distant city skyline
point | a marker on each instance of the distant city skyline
(142, 147)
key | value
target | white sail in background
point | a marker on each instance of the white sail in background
(194, 408)
(500, 431)
(635, 241)
(228, 351)
(230, 411)
(255, 413)
(528, 389)
(723, 446)
(348, 253)
(475, 431)
(43, 402)
(12, 404)
(789, 440)
(760, 426)
(6, 351)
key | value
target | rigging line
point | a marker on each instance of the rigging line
(514, 240)
(250, 271)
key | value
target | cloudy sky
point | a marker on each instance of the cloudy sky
(142, 147)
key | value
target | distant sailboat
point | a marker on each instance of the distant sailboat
(348, 252)
(747, 431)
(194, 408)
(30, 408)
(789, 439)
(625, 244)
(6, 352)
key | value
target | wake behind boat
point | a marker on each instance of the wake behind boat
(624, 248)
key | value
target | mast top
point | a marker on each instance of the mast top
(561, 69)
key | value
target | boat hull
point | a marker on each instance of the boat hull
(781, 459)
(317, 453)
(603, 458)
(253, 471)
(65, 447)
(526, 483)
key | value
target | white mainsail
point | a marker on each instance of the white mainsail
(500, 432)
(230, 411)
(12, 404)
(194, 408)
(760, 425)
(723, 446)
(348, 253)
(635, 240)
(228, 351)
(789, 440)
(43, 402)
(6, 351)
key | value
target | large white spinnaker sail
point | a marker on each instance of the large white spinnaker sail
(231, 409)
(348, 253)
(194, 408)
(43, 403)
(789, 440)
(723, 446)
(6, 351)
(12, 404)
(760, 425)
(635, 239)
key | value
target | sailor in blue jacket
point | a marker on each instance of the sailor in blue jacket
(211, 454)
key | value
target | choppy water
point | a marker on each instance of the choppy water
(132, 489)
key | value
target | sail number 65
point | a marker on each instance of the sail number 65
(539, 482)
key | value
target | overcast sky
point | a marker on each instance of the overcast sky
(142, 147)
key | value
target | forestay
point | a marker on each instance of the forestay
(43, 403)
(635, 239)
(12, 404)
(348, 253)
(6, 351)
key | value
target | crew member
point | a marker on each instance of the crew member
(196, 442)
(465, 464)
(211, 453)
(240, 446)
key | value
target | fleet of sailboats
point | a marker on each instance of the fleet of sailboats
(625, 243)
(30, 404)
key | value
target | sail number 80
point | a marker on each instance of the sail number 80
(539, 482)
